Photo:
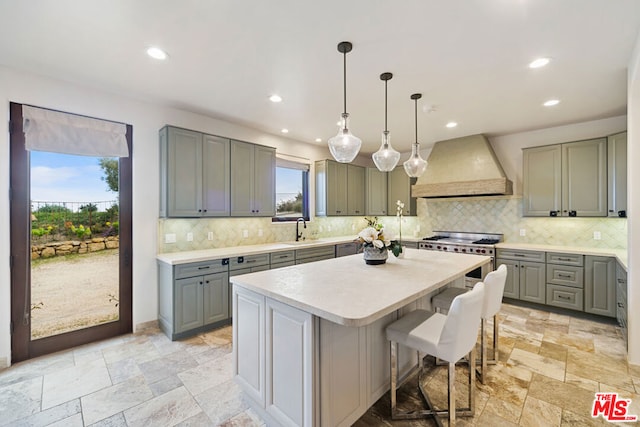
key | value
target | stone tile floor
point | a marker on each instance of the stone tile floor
(549, 368)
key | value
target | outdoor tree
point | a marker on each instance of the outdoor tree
(109, 166)
(89, 208)
(291, 205)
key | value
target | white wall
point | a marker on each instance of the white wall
(508, 148)
(633, 203)
(146, 120)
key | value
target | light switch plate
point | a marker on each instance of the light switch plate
(189, 237)
(210, 235)
(245, 233)
(523, 232)
(597, 235)
(260, 233)
(170, 238)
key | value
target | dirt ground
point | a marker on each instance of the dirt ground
(73, 292)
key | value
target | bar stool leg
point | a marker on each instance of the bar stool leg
(472, 382)
(495, 337)
(483, 350)
(452, 394)
(394, 375)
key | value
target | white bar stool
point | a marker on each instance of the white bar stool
(447, 337)
(493, 292)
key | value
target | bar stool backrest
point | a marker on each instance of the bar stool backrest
(494, 289)
(460, 331)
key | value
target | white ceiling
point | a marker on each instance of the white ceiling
(467, 57)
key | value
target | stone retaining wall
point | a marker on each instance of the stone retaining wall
(52, 249)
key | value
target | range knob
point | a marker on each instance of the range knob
(439, 247)
(455, 249)
(444, 248)
(484, 251)
(464, 249)
(477, 251)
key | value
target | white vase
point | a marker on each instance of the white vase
(375, 256)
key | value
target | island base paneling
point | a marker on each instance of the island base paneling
(350, 364)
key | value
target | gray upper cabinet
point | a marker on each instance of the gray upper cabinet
(355, 190)
(566, 179)
(253, 185)
(399, 188)
(376, 192)
(340, 189)
(194, 174)
(617, 171)
(584, 178)
(541, 178)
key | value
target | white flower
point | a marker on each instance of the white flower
(378, 244)
(369, 235)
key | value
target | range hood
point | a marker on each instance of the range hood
(462, 167)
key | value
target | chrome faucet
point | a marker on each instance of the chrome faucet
(304, 223)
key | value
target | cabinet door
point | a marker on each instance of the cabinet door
(376, 192)
(399, 188)
(265, 181)
(584, 178)
(541, 180)
(617, 171)
(355, 190)
(216, 297)
(215, 176)
(336, 188)
(184, 173)
(532, 282)
(600, 286)
(188, 304)
(242, 173)
(512, 285)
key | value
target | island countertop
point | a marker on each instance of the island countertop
(349, 292)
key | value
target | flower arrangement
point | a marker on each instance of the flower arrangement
(373, 236)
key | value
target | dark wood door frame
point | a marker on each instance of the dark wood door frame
(20, 230)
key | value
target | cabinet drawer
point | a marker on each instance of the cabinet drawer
(520, 255)
(200, 268)
(565, 259)
(283, 264)
(565, 297)
(248, 261)
(281, 257)
(323, 252)
(566, 275)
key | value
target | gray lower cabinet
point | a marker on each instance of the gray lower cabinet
(600, 285)
(565, 280)
(525, 274)
(320, 253)
(344, 249)
(282, 259)
(621, 300)
(193, 297)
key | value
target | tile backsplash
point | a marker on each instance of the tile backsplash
(504, 215)
(490, 214)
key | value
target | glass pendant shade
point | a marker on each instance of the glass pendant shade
(415, 165)
(344, 147)
(386, 158)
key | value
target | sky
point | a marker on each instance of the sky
(288, 183)
(67, 178)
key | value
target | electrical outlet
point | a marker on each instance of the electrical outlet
(523, 232)
(260, 233)
(597, 235)
(210, 235)
(418, 228)
(320, 229)
(328, 228)
(245, 233)
(189, 237)
(170, 238)
(353, 227)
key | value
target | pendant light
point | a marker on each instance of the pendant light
(344, 146)
(386, 158)
(416, 165)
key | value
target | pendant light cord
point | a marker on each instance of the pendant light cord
(416, 117)
(385, 106)
(344, 80)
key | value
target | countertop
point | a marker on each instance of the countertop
(349, 292)
(619, 254)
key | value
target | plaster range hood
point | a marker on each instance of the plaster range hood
(461, 167)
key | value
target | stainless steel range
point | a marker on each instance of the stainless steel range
(465, 243)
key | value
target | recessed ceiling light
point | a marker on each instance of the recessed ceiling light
(157, 53)
(551, 102)
(318, 139)
(451, 124)
(275, 98)
(540, 62)
(285, 131)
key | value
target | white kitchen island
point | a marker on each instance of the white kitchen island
(309, 344)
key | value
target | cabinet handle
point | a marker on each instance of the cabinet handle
(225, 261)
(621, 281)
(206, 267)
(621, 305)
(519, 255)
(199, 210)
(622, 214)
(564, 298)
(200, 283)
(564, 259)
(206, 281)
(204, 210)
(565, 276)
(250, 261)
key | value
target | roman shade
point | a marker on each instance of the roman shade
(58, 132)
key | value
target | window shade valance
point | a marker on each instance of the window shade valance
(58, 132)
(292, 162)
